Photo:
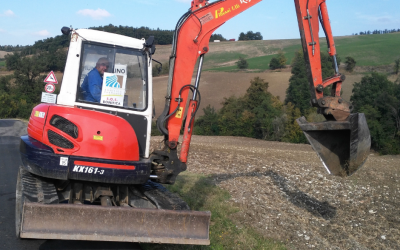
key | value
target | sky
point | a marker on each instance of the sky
(24, 22)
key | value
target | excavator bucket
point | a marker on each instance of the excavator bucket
(342, 146)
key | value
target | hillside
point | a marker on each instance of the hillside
(367, 50)
(283, 192)
(215, 86)
(220, 78)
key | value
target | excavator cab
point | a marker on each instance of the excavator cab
(86, 170)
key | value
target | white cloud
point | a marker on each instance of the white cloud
(378, 19)
(44, 33)
(8, 13)
(95, 14)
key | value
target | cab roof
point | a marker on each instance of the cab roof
(110, 38)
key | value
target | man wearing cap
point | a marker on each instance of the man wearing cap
(93, 82)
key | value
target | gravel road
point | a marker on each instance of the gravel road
(282, 191)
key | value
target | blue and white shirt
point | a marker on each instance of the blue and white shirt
(91, 86)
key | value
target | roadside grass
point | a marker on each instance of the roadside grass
(202, 195)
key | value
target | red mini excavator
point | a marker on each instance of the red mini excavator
(88, 173)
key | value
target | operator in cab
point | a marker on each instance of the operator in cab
(93, 82)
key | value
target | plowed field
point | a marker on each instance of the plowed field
(214, 86)
(283, 192)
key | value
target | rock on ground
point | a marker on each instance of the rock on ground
(283, 191)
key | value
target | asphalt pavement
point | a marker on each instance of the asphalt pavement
(10, 132)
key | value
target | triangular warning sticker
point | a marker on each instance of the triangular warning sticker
(51, 78)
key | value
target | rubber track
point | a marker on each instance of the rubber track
(162, 198)
(38, 189)
(42, 190)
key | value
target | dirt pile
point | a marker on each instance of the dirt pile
(283, 192)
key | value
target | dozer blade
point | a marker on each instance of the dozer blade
(342, 146)
(123, 224)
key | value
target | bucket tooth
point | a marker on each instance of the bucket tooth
(342, 146)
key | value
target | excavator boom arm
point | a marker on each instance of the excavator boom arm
(191, 42)
(308, 15)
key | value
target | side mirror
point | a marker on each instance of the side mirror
(150, 45)
(66, 30)
(150, 41)
(153, 49)
(159, 68)
(154, 109)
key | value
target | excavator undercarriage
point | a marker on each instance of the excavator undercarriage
(74, 210)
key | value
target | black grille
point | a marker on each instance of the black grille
(64, 125)
(59, 141)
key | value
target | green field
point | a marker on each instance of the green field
(260, 63)
(367, 50)
(370, 50)
(2, 63)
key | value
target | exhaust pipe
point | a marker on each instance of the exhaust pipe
(342, 146)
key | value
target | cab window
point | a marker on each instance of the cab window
(113, 76)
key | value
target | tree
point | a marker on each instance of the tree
(264, 106)
(282, 60)
(242, 63)
(208, 123)
(251, 115)
(250, 35)
(278, 62)
(257, 114)
(292, 131)
(242, 37)
(350, 64)
(217, 37)
(396, 66)
(9, 106)
(298, 92)
(231, 121)
(379, 99)
(257, 36)
(24, 93)
(12, 60)
(367, 91)
(274, 63)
